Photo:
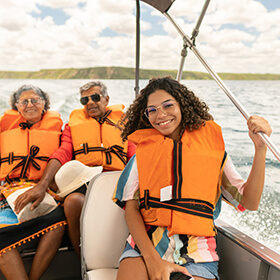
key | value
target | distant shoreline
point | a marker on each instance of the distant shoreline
(125, 73)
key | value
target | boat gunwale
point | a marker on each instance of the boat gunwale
(251, 245)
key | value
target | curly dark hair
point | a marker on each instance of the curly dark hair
(15, 96)
(194, 111)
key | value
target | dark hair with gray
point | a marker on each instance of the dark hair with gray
(88, 85)
(15, 96)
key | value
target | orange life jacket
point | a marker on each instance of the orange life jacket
(190, 173)
(25, 150)
(98, 142)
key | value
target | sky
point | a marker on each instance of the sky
(236, 36)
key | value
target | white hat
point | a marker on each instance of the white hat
(73, 175)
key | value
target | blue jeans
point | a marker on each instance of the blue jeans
(207, 270)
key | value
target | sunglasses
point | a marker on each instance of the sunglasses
(94, 97)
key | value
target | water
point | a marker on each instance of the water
(258, 97)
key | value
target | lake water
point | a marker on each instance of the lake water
(258, 97)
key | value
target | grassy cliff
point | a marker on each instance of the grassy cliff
(125, 73)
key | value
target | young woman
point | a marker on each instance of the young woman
(171, 190)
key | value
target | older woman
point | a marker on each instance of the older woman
(30, 133)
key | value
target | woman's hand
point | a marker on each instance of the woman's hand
(37, 194)
(253, 187)
(258, 124)
(159, 269)
(34, 195)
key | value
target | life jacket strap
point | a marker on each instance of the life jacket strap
(115, 149)
(25, 125)
(104, 118)
(10, 159)
(25, 162)
(118, 151)
(185, 205)
(86, 149)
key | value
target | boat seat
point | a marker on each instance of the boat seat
(103, 229)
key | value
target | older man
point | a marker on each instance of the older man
(92, 138)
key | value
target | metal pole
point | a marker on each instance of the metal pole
(219, 81)
(195, 32)
(202, 14)
(136, 88)
(184, 53)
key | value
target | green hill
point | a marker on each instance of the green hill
(125, 73)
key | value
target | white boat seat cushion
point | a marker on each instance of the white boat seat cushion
(102, 274)
(103, 229)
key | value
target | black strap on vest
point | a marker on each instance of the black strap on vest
(25, 161)
(118, 151)
(24, 125)
(115, 149)
(104, 118)
(194, 207)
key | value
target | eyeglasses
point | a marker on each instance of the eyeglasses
(24, 102)
(94, 97)
(167, 108)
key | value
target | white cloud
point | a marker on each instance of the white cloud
(57, 4)
(235, 36)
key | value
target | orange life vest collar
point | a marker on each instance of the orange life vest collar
(103, 146)
(11, 119)
(190, 173)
